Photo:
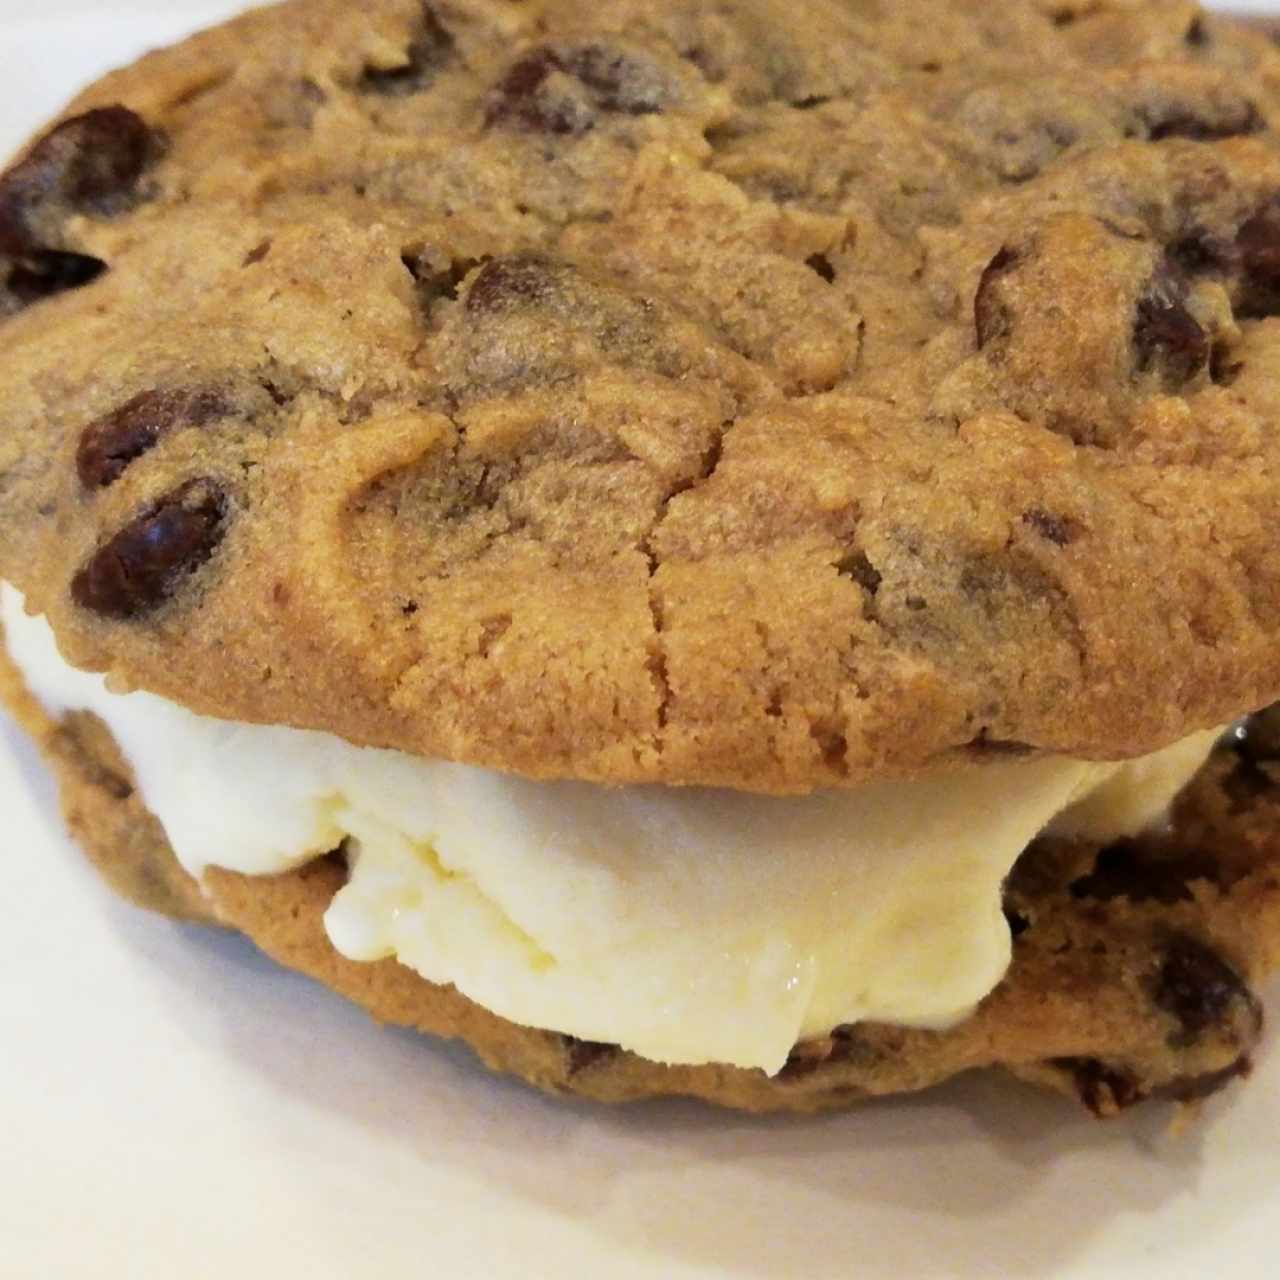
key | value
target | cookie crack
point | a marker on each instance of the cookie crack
(657, 659)
(710, 464)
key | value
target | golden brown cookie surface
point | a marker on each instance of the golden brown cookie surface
(659, 391)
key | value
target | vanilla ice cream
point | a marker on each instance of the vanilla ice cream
(687, 925)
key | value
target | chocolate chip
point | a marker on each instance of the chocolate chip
(1200, 253)
(428, 52)
(524, 100)
(581, 1055)
(1198, 988)
(42, 273)
(1056, 529)
(1246, 785)
(1197, 34)
(1127, 869)
(1258, 246)
(1167, 338)
(1257, 737)
(562, 90)
(1256, 743)
(862, 571)
(1017, 922)
(991, 315)
(109, 444)
(1105, 1090)
(1177, 122)
(832, 745)
(142, 565)
(820, 263)
(509, 282)
(89, 164)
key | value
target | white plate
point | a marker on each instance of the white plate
(172, 1105)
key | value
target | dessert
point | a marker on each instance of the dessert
(693, 549)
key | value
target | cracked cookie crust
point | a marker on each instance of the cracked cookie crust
(662, 391)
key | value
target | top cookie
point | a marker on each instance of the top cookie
(756, 394)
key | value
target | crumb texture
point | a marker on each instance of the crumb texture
(744, 393)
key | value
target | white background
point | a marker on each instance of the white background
(171, 1105)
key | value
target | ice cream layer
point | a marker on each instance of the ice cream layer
(687, 925)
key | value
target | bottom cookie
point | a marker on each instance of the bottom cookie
(1133, 972)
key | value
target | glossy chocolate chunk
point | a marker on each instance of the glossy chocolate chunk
(109, 444)
(90, 164)
(1167, 338)
(1199, 988)
(145, 563)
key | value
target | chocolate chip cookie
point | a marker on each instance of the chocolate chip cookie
(743, 395)
(1134, 976)
(661, 393)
